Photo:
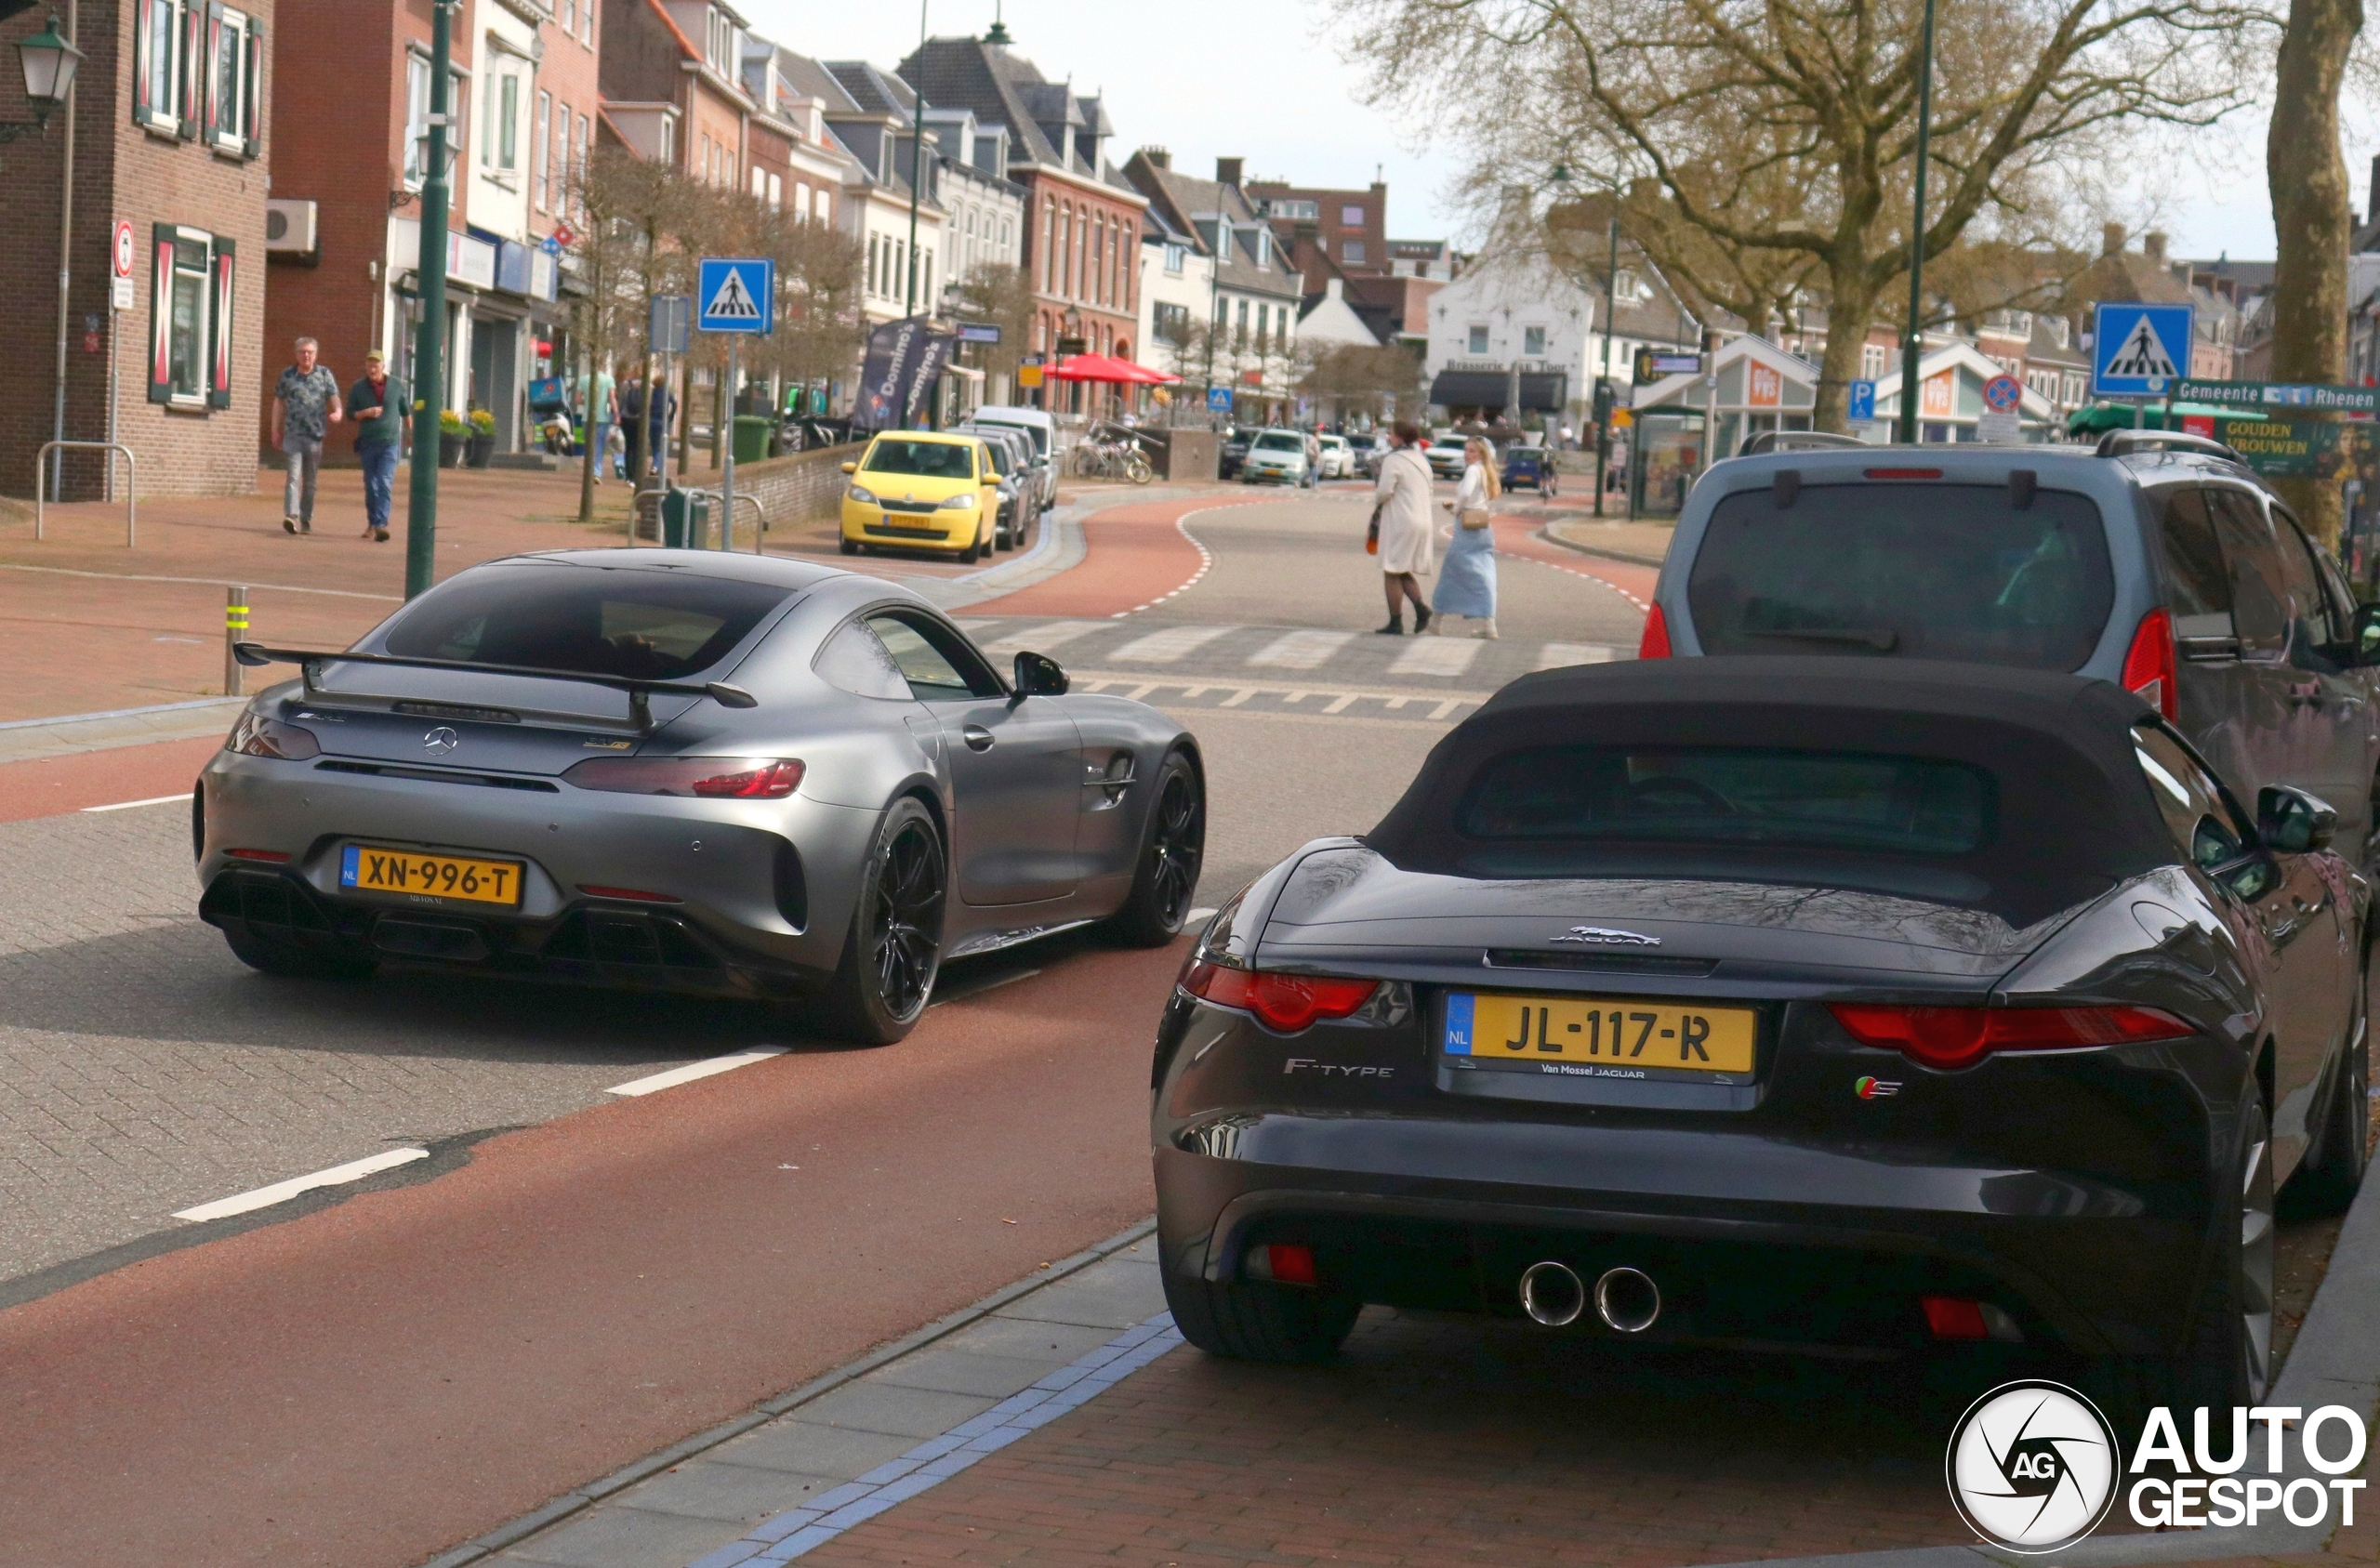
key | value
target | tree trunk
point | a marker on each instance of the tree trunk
(2312, 222)
(588, 457)
(1851, 306)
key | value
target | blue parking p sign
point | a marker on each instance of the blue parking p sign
(1863, 401)
(2139, 351)
(736, 295)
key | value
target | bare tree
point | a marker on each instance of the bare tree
(615, 194)
(1003, 296)
(1350, 378)
(1780, 132)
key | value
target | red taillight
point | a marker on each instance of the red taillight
(716, 778)
(2148, 665)
(1953, 1038)
(1656, 642)
(270, 857)
(1902, 473)
(1283, 1263)
(636, 894)
(1950, 1318)
(1284, 1003)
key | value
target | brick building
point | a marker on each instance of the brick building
(674, 89)
(1082, 218)
(169, 110)
(1349, 229)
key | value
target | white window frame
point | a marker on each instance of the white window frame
(1362, 215)
(1544, 334)
(1475, 339)
(541, 150)
(235, 123)
(164, 117)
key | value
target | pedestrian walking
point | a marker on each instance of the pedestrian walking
(1403, 515)
(382, 410)
(1467, 586)
(632, 422)
(305, 405)
(661, 417)
(598, 404)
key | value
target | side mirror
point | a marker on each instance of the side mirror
(851, 467)
(2367, 634)
(1038, 675)
(2291, 821)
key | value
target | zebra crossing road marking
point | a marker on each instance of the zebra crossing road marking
(1300, 650)
(1168, 646)
(1553, 655)
(1239, 697)
(1341, 703)
(1040, 637)
(1436, 655)
(1443, 709)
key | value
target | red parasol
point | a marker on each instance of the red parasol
(1101, 367)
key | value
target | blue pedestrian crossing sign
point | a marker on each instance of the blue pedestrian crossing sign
(2139, 351)
(1219, 399)
(1863, 401)
(736, 295)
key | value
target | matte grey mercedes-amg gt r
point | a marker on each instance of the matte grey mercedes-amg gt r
(690, 771)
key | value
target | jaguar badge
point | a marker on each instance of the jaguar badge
(1604, 937)
(441, 741)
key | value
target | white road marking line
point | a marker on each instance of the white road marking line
(1395, 703)
(1340, 704)
(1097, 685)
(1436, 655)
(1041, 636)
(1190, 691)
(1446, 707)
(1202, 915)
(970, 627)
(1137, 692)
(694, 1070)
(127, 805)
(281, 1192)
(1239, 697)
(1300, 650)
(1295, 697)
(1168, 646)
(1554, 656)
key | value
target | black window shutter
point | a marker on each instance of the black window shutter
(218, 327)
(254, 129)
(161, 313)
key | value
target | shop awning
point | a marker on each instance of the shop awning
(1546, 391)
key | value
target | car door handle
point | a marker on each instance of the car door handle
(977, 737)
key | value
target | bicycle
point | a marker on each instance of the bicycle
(1116, 455)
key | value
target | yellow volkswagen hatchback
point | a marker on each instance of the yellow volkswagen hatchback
(922, 490)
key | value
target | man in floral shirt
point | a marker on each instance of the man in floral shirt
(305, 405)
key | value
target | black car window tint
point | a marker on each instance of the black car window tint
(925, 459)
(2207, 825)
(2199, 594)
(1711, 794)
(932, 677)
(856, 660)
(1918, 570)
(950, 647)
(2313, 633)
(592, 620)
(995, 456)
(2259, 600)
(2335, 588)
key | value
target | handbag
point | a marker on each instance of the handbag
(1475, 519)
(1371, 534)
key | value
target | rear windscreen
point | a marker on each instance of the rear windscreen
(642, 625)
(1730, 795)
(1924, 571)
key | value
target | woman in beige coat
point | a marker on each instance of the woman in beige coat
(1407, 511)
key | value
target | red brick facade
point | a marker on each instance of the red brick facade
(1082, 254)
(202, 442)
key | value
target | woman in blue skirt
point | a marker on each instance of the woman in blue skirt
(1467, 579)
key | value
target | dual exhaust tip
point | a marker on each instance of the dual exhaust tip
(1626, 1300)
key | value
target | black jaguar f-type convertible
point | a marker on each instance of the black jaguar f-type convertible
(1801, 1001)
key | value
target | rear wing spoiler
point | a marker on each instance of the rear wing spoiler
(255, 656)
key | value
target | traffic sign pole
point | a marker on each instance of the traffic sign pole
(727, 466)
(429, 345)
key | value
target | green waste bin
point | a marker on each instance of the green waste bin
(753, 432)
(685, 520)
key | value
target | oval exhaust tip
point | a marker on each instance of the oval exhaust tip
(1553, 1294)
(1627, 1300)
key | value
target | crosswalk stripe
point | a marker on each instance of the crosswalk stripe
(1300, 650)
(1341, 703)
(1436, 655)
(1167, 646)
(1446, 707)
(1555, 654)
(1042, 637)
(1239, 696)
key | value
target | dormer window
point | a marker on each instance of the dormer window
(1264, 248)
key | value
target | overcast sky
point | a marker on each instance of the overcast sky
(1259, 80)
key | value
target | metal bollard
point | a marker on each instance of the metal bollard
(235, 629)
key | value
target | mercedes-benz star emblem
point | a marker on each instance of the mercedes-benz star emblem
(441, 741)
(1605, 936)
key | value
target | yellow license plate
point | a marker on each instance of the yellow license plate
(1601, 1032)
(371, 870)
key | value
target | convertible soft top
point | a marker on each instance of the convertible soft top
(2068, 813)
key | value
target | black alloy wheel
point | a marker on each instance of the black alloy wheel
(1172, 853)
(894, 949)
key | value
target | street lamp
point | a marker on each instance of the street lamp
(1606, 396)
(429, 281)
(49, 62)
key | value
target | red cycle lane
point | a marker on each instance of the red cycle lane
(1137, 555)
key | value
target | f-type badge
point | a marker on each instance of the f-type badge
(441, 741)
(1608, 938)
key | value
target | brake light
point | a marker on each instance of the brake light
(1283, 1263)
(713, 778)
(1656, 642)
(1902, 473)
(255, 735)
(1954, 1037)
(1284, 1003)
(2148, 665)
(269, 857)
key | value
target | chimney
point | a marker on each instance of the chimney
(2110, 239)
(1227, 171)
(2152, 245)
(1335, 289)
(1156, 157)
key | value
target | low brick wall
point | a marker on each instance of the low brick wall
(801, 488)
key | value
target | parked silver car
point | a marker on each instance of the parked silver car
(689, 772)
